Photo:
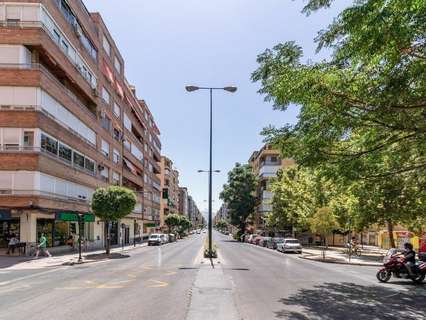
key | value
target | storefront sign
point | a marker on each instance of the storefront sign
(5, 214)
(150, 225)
(72, 216)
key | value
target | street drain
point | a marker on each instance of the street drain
(240, 269)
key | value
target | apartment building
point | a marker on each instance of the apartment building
(183, 201)
(69, 123)
(169, 183)
(265, 164)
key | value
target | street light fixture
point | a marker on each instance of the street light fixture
(231, 89)
(207, 171)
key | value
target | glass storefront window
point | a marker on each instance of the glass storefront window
(7, 228)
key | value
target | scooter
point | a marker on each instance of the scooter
(393, 264)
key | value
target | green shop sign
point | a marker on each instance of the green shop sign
(150, 225)
(72, 216)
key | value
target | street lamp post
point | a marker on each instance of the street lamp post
(231, 89)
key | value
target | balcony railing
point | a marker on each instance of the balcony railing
(39, 24)
(32, 149)
(47, 73)
(269, 171)
(11, 192)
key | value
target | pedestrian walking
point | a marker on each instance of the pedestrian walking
(42, 246)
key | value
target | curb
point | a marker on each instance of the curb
(368, 264)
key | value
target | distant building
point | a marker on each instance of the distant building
(265, 164)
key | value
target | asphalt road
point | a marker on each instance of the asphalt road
(271, 285)
(146, 283)
(157, 283)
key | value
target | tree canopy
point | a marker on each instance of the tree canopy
(238, 194)
(113, 203)
(362, 121)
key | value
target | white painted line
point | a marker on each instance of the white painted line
(159, 257)
(4, 283)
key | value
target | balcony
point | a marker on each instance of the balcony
(269, 171)
(267, 195)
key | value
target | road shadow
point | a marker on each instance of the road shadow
(353, 301)
(9, 261)
(103, 256)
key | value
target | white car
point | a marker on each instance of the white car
(289, 245)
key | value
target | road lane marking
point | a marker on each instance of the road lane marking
(170, 273)
(159, 262)
(158, 284)
(4, 283)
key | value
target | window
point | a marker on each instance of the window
(56, 36)
(105, 148)
(89, 165)
(274, 159)
(48, 144)
(64, 46)
(117, 64)
(127, 144)
(116, 177)
(28, 139)
(105, 173)
(65, 153)
(117, 110)
(115, 156)
(106, 45)
(78, 160)
(127, 123)
(106, 122)
(116, 134)
(105, 95)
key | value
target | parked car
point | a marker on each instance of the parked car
(274, 242)
(258, 239)
(251, 238)
(172, 237)
(155, 240)
(165, 238)
(264, 241)
(290, 245)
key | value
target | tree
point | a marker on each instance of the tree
(111, 204)
(184, 225)
(221, 225)
(362, 111)
(323, 222)
(172, 221)
(238, 193)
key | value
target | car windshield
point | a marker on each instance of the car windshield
(279, 240)
(292, 241)
(154, 236)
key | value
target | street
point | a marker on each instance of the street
(157, 283)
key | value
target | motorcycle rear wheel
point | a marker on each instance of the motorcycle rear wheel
(383, 275)
(419, 278)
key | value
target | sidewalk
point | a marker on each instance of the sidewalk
(372, 257)
(22, 263)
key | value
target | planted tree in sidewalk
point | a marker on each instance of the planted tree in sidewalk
(173, 221)
(221, 225)
(184, 225)
(112, 204)
(323, 222)
(238, 193)
(361, 121)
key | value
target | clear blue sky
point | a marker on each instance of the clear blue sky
(168, 44)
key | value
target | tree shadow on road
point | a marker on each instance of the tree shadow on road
(353, 301)
(102, 256)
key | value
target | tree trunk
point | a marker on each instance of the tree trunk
(108, 237)
(242, 228)
(390, 231)
(324, 247)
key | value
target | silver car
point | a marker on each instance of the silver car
(289, 245)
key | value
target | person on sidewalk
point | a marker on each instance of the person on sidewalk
(42, 246)
(13, 241)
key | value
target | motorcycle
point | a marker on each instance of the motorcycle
(393, 264)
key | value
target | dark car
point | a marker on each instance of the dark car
(264, 241)
(273, 243)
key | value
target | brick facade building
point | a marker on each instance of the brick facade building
(69, 123)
